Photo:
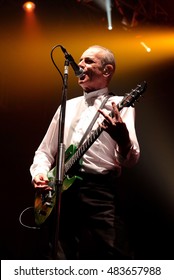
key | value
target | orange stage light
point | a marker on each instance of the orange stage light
(29, 6)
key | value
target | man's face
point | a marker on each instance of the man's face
(93, 78)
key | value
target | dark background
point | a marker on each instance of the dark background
(30, 91)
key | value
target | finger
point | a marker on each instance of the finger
(116, 112)
(41, 184)
(41, 178)
(42, 187)
(107, 117)
(103, 126)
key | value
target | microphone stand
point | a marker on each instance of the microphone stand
(60, 161)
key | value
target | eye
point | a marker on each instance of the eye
(89, 60)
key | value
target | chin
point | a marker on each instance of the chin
(81, 83)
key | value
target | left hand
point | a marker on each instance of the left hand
(117, 129)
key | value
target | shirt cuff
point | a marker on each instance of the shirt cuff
(122, 159)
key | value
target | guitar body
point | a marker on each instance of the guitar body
(45, 201)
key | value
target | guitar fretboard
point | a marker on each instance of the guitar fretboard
(83, 148)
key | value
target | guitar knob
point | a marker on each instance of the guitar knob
(42, 212)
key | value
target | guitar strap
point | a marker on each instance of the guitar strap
(94, 119)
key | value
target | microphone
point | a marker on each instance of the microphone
(77, 70)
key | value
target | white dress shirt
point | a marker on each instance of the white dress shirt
(103, 155)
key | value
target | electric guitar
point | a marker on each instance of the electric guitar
(45, 200)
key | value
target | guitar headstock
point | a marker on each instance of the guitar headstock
(130, 98)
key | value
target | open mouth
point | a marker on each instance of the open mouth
(83, 76)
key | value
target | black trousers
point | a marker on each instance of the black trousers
(91, 222)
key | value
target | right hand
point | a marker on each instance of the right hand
(41, 182)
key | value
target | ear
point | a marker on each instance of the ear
(108, 70)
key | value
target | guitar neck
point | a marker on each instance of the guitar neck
(83, 148)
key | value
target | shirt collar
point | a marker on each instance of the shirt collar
(95, 94)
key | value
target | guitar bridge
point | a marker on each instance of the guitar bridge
(42, 213)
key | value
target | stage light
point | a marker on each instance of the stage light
(108, 12)
(109, 27)
(29, 6)
(145, 46)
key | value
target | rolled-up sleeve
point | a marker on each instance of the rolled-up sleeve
(128, 116)
(45, 154)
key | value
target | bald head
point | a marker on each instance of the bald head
(107, 56)
(98, 64)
